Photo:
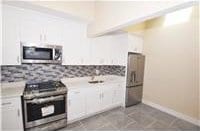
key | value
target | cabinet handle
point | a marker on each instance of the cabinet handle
(17, 59)
(7, 103)
(45, 38)
(69, 102)
(40, 37)
(76, 92)
(18, 113)
(100, 96)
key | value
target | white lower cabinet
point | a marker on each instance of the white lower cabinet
(106, 97)
(12, 114)
(76, 104)
(118, 95)
(87, 101)
(93, 99)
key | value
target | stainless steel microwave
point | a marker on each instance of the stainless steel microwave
(31, 53)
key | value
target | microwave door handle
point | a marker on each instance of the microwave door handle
(53, 54)
(57, 56)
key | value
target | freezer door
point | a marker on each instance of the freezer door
(133, 95)
(135, 70)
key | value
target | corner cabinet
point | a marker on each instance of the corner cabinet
(12, 114)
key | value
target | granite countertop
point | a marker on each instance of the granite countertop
(82, 82)
(12, 89)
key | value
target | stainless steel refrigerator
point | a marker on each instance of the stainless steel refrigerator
(134, 80)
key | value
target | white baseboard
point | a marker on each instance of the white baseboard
(172, 112)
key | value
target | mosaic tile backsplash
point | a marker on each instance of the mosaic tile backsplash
(44, 72)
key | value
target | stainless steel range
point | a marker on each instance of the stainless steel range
(45, 105)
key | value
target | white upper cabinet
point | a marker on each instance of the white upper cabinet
(118, 46)
(135, 43)
(31, 31)
(100, 50)
(40, 31)
(10, 36)
(76, 48)
(52, 32)
(109, 50)
(28, 26)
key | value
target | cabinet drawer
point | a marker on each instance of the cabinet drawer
(10, 102)
(75, 92)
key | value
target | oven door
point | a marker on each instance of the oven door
(44, 110)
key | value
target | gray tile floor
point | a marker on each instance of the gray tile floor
(136, 118)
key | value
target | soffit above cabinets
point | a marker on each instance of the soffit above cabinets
(104, 17)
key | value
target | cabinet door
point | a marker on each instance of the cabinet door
(31, 31)
(117, 94)
(75, 44)
(76, 104)
(119, 44)
(107, 94)
(135, 43)
(12, 114)
(100, 50)
(93, 99)
(10, 37)
(52, 32)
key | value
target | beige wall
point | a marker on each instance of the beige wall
(199, 64)
(172, 65)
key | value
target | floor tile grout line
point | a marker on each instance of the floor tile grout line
(173, 122)
(105, 120)
(110, 123)
(130, 123)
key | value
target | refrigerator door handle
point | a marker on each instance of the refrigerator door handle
(133, 75)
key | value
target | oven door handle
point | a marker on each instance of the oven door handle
(45, 100)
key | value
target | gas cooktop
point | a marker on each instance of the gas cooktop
(43, 88)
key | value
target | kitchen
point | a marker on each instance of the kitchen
(66, 67)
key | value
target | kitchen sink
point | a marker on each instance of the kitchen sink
(95, 82)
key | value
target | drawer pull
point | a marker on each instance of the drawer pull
(7, 103)
(18, 113)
